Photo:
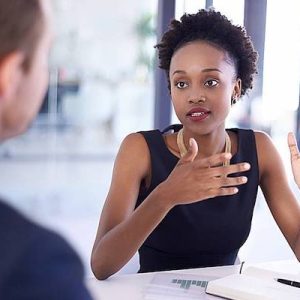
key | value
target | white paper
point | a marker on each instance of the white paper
(177, 286)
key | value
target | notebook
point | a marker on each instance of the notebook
(255, 283)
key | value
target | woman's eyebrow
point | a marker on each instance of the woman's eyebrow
(204, 70)
(212, 69)
(178, 71)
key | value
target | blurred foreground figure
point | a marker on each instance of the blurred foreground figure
(35, 263)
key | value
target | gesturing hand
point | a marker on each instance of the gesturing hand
(195, 180)
(295, 157)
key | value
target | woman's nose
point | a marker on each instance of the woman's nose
(200, 99)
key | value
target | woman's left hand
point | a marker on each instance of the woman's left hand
(295, 157)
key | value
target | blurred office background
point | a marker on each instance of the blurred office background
(104, 84)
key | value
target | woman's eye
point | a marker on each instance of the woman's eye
(181, 84)
(211, 83)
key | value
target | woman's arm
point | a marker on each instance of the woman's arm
(280, 199)
(295, 163)
(123, 229)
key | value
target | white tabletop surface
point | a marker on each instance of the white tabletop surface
(131, 287)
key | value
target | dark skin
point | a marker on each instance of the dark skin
(197, 70)
(295, 163)
(122, 227)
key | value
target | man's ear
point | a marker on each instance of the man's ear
(11, 71)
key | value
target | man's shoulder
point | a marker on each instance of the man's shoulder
(36, 257)
(17, 232)
(15, 227)
(19, 235)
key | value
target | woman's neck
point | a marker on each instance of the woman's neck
(208, 144)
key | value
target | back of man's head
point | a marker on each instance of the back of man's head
(25, 38)
(21, 24)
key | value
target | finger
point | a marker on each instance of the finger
(223, 171)
(191, 153)
(229, 181)
(225, 191)
(294, 151)
(214, 160)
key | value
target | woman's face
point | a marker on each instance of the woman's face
(203, 81)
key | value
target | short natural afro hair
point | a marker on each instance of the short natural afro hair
(216, 29)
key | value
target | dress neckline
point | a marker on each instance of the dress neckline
(235, 130)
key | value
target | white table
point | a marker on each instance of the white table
(131, 287)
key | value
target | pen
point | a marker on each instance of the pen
(289, 282)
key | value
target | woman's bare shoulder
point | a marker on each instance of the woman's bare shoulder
(134, 154)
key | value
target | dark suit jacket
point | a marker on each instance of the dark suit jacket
(36, 263)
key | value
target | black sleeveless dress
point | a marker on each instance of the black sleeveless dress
(202, 234)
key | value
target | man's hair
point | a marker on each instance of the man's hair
(21, 25)
(212, 27)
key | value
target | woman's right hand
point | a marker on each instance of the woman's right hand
(195, 180)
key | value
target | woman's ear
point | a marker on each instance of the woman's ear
(236, 93)
(238, 88)
(11, 72)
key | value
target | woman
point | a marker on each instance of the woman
(171, 197)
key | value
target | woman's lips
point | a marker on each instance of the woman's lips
(198, 114)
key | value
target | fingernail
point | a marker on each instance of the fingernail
(244, 179)
(228, 155)
(235, 190)
(246, 166)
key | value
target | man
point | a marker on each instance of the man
(35, 263)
